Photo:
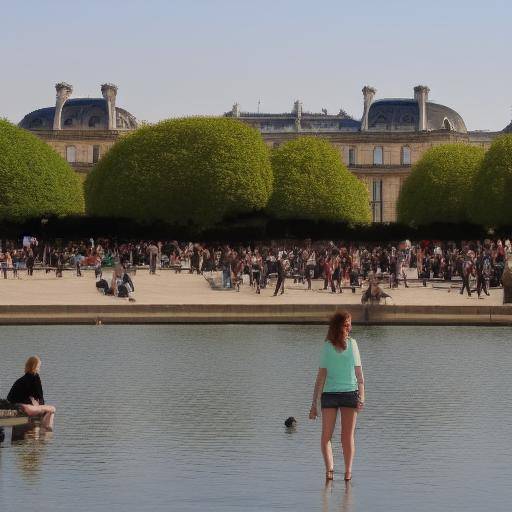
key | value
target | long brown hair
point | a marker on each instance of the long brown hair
(334, 334)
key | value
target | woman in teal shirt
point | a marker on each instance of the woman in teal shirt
(340, 382)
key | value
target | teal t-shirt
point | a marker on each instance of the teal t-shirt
(341, 375)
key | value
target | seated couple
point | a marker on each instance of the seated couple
(26, 394)
(121, 284)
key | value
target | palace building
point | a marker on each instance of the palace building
(379, 149)
(81, 129)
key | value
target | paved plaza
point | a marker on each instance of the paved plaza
(167, 287)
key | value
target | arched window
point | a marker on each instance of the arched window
(94, 121)
(447, 125)
(406, 155)
(68, 122)
(71, 154)
(378, 155)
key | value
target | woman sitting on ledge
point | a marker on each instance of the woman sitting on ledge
(27, 394)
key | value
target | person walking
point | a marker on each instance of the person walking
(281, 273)
(340, 384)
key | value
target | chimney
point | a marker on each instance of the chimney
(109, 92)
(297, 110)
(235, 111)
(368, 95)
(421, 96)
(64, 91)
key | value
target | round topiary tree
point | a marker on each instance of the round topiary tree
(194, 170)
(440, 185)
(34, 179)
(311, 182)
(491, 204)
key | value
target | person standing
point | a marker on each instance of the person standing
(467, 272)
(310, 267)
(481, 278)
(30, 263)
(3, 264)
(153, 254)
(281, 274)
(340, 385)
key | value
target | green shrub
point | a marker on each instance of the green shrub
(492, 191)
(440, 185)
(311, 182)
(186, 171)
(34, 179)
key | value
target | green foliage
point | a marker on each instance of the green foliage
(34, 179)
(492, 190)
(311, 182)
(440, 185)
(194, 170)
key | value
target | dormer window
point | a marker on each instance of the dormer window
(36, 123)
(94, 121)
(447, 125)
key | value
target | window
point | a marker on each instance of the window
(378, 157)
(406, 155)
(352, 156)
(68, 122)
(71, 154)
(95, 154)
(36, 123)
(447, 125)
(94, 121)
(376, 200)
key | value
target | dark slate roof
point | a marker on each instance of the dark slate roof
(402, 114)
(79, 114)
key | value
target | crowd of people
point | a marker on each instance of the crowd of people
(337, 264)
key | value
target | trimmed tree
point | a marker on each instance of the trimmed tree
(440, 185)
(311, 182)
(194, 170)
(492, 191)
(34, 179)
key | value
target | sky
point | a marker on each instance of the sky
(173, 58)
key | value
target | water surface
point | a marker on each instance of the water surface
(190, 418)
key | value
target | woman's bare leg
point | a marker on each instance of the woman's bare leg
(46, 411)
(348, 428)
(328, 424)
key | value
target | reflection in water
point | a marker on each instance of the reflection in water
(30, 441)
(332, 491)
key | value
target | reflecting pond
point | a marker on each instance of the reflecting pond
(190, 418)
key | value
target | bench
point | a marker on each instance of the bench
(12, 418)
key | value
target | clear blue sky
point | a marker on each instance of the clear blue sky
(173, 58)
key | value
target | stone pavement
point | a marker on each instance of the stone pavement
(169, 288)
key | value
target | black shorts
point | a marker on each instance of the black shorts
(342, 399)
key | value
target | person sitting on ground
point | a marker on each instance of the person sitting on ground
(26, 394)
(374, 293)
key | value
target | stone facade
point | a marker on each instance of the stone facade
(379, 149)
(81, 130)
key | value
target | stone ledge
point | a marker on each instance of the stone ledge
(129, 313)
